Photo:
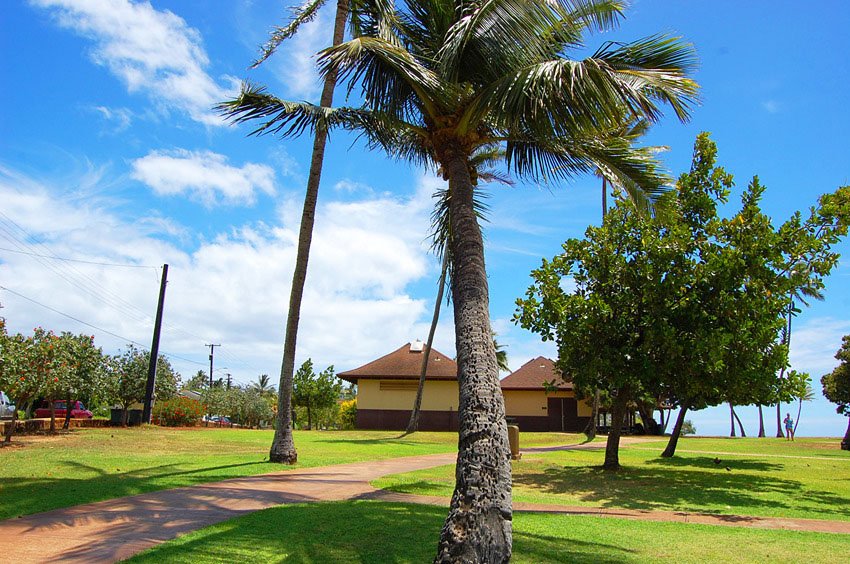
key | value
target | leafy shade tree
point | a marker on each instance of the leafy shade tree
(197, 382)
(314, 392)
(836, 386)
(441, 79)
(128, 374)
(83, 373)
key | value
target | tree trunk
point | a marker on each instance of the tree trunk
(740, 425)
(309, 419)
(731, 419)
(618, 415)
(283, 445)
(786, 338)
(845, 443)
(413, 424)
(53, 416)
(125, 416)
(761, 423)
(650, 425)
(780, 434)
(674, 436)
(10, 426)
(67, 422)
(478, 526)
(799, 410)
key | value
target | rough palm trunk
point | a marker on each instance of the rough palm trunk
(283, 445)
(761, 423)
(674, 436)
(845, 443)
(786, 340)
(618, 416)
(413, 424)
(67, 423)
(478, 526)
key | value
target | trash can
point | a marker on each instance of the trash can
(513, 439)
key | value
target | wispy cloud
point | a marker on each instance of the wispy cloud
(203, 175)
(771, 106)
(119, 119)
(150, 51)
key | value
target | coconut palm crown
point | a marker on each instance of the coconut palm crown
(439, 79)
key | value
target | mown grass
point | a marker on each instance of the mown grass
(86, 465)
(809, 478)
(375, 532)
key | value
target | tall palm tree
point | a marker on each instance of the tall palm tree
(283, 444)
(263, 385)
(806, 394)
(441, 78)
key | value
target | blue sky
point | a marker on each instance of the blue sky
(111, 155)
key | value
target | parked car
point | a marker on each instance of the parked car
(78, 410)
(7, 408)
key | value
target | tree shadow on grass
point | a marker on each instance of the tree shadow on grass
(684, 484)
(23, 496)
(357, 532)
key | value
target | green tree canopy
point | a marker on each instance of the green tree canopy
(836, 386)
(315, 391)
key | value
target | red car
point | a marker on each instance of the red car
(78, 411)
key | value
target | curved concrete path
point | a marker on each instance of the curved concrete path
(115, 529)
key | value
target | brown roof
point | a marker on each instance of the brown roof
(404, 364)
(532, 374)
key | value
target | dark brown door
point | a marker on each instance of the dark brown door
(555, 409)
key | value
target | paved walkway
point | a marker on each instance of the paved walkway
(115, 529)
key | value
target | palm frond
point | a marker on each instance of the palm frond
(303, 14)
(281, 117)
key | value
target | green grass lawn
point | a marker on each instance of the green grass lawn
(374, 532)
(809, 478)
(85, 465)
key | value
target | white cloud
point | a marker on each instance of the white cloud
(150, 51)
(814, 344)
(771, 106)
(232, 290)
(203, 175)
(119, 118)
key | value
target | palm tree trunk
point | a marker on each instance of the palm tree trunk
(845, 443)
(761, 423)
(618, 416)
(786, 338)
(797, 421)
(677, 431)
(478, 526)
(283, 445)
(413, 424)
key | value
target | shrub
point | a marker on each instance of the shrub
(688, 427)
(178, 412)
(347, 414)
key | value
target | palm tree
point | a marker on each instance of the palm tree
(263, 385)
(283, 444)
(441, 78)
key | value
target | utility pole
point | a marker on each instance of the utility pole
(157, 327)
(212, 352)
(228, 380)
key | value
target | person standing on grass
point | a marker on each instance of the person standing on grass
(789, 427)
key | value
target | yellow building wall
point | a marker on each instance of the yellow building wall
(533, 402)
(437, 395)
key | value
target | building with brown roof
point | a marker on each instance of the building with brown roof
(538, 399)
(386, 390)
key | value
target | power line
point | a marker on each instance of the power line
(125, 339)
(80, 260)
